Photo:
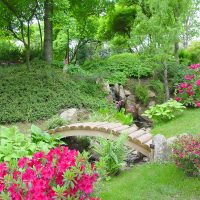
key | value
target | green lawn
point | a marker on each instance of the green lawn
(188, 122)
(152, 182)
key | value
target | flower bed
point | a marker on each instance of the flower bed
(186, 153)
(59, 174)
(188, 92)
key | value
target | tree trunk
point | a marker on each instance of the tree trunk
(48, 31)
(40, 30)
(176, 48)
(67, 61)
(27, 52)
(166, 83)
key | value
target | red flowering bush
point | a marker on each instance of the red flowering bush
(60, 174)
(186, 153)
(188, 92)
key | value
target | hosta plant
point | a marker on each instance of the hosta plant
(59, 174)
(188, 92)
(165, 111)
(14, 144)
(186, 154)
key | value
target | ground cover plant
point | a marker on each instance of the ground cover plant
(41, 93)
(118, 68)
(152, 181)
(59, 174)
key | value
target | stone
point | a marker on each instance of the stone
(116, 89)
(160, 148)
(152, 103)
(70, 114)
(169, 143)
(130, 103)
(127, 93)
(106, 87)
(122, 93)
(152, 94)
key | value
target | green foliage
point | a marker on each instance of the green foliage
(9, 52)
(41, 92)
(165, 111)
(14, 144)
(118, 68)
(142, 93)
(158, 87)
(112, 152)
(112, 115)
(55, 121)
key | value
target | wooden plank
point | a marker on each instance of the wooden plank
(120, 129)
(136, 134)
(110, 127)
(144, 138)
(130, 130)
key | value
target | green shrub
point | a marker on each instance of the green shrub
(186, 154)
(55, 121)
(9, 52)
(112, 115)
(118, 68)
(112, 153)
(41, 92)
(14, 144)
(142, 93)
(165, 111)
(158, 87)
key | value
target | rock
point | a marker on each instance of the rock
(130, 103)
(160, 148)
(116, 89)
(70, 114)
(152, 94)
(169, 143)
(127, 93)
(110, 98)
(106, 87)
(122, 93)
(152, 103)
(145, 159)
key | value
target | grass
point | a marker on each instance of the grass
(188, 122)
(152, 182)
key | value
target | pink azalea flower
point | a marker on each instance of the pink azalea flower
(178, 99)
(195, 66)
(198, 82)
(183, 85)
(188, 77)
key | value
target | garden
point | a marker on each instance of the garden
(99, 100)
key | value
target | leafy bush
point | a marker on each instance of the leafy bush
(112, 153)
(158, 87)
(9, 52)
(188, 92)
(112, 115)
(186, 153)
(142, 93)
(59, 174)
(55, 121)
(118, 68)
(41, 92)
(165, 111)
(14, 144)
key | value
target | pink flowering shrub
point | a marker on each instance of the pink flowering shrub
(59, 174)
(186, 153)
(188, 92)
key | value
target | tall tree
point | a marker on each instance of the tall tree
(17, 17)
(48, 30)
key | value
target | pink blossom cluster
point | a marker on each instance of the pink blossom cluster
(188, 92)
(186, 152)
(37, 178)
